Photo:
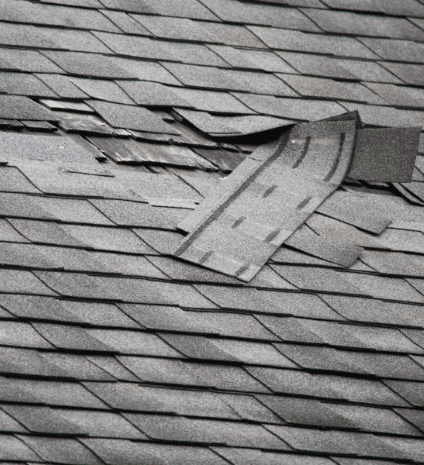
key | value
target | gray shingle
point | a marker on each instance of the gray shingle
(367, 25)
(267, 15)
(20, 107)
(60, 450)
(147, 71)
(330, 89)
(24, 12)
(125, 22)
(231, 34)
(88, 65)
(14, 449)
(397, 50)
(12, 180)
(231, 434)
(15, 281)
(21, 335)
(411, 74)
(63, 86)
(31, 36)
(283, 39)
(26, 60)
(152, 94)
(216, 78)
(307, 110)
(140, 214)
(131, 117)
(408, 390)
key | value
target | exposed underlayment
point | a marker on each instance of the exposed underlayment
(125, 126)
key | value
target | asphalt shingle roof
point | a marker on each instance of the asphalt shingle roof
(118, 118)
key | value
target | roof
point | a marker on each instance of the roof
(146, 149)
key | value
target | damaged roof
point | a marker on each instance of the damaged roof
(211, 232)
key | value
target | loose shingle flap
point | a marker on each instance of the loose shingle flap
(237, 228)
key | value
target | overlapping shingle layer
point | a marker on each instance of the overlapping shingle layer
(118, 118)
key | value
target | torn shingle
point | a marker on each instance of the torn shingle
(242, 221)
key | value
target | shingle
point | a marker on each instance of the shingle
(135, 46)
(121, 452)
(229, 378)
(147, 71)
(11, 448)
(367, 25)
(174, 28)
(305, 412)
(62, 85)
(130, 6)
(213, 102)
(307, 110)
(267, 302)
(41, 419)
(13, 391)
(369, 71)
(140, 214)
(231, 34)
(164, 371)
(71, 337)
(28, 362)
(337, 442)
(102, 238)
(45, 232)
(133, 342)
(372, 419)
(131, 117)
(260, 14)
(152, 94)
(252, 59)
(15, 281)
(317, 279)
(254, 353)
(19, 107)
(330, 89)
(24, 12)
(112, 366)
(214, 78)
(101, 424)
(72, 210)
(400, 97)
(55, 393)
(61, 450)
(77, 366)
(396, 8)
(340, 253)
(185, 430)
(125, 22)
(249, 408)
(102, 90)
(317, 66)
(165, 242)
(393, 263)
(256, 457)
(21, 335)
(411, 74)
(397, 50)
(12, 180)
(26, 60)
(63, 39)
(88, 65)
(283, 39)
(139, 398)
(413, 416)
(10, 425)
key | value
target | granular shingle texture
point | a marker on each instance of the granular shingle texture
(121, 123)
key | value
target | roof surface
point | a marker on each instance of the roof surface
(117, 119)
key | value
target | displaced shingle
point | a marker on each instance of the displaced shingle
(131, 117)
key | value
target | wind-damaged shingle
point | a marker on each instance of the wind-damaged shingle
(244, 207)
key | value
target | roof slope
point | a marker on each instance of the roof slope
(118, 118)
